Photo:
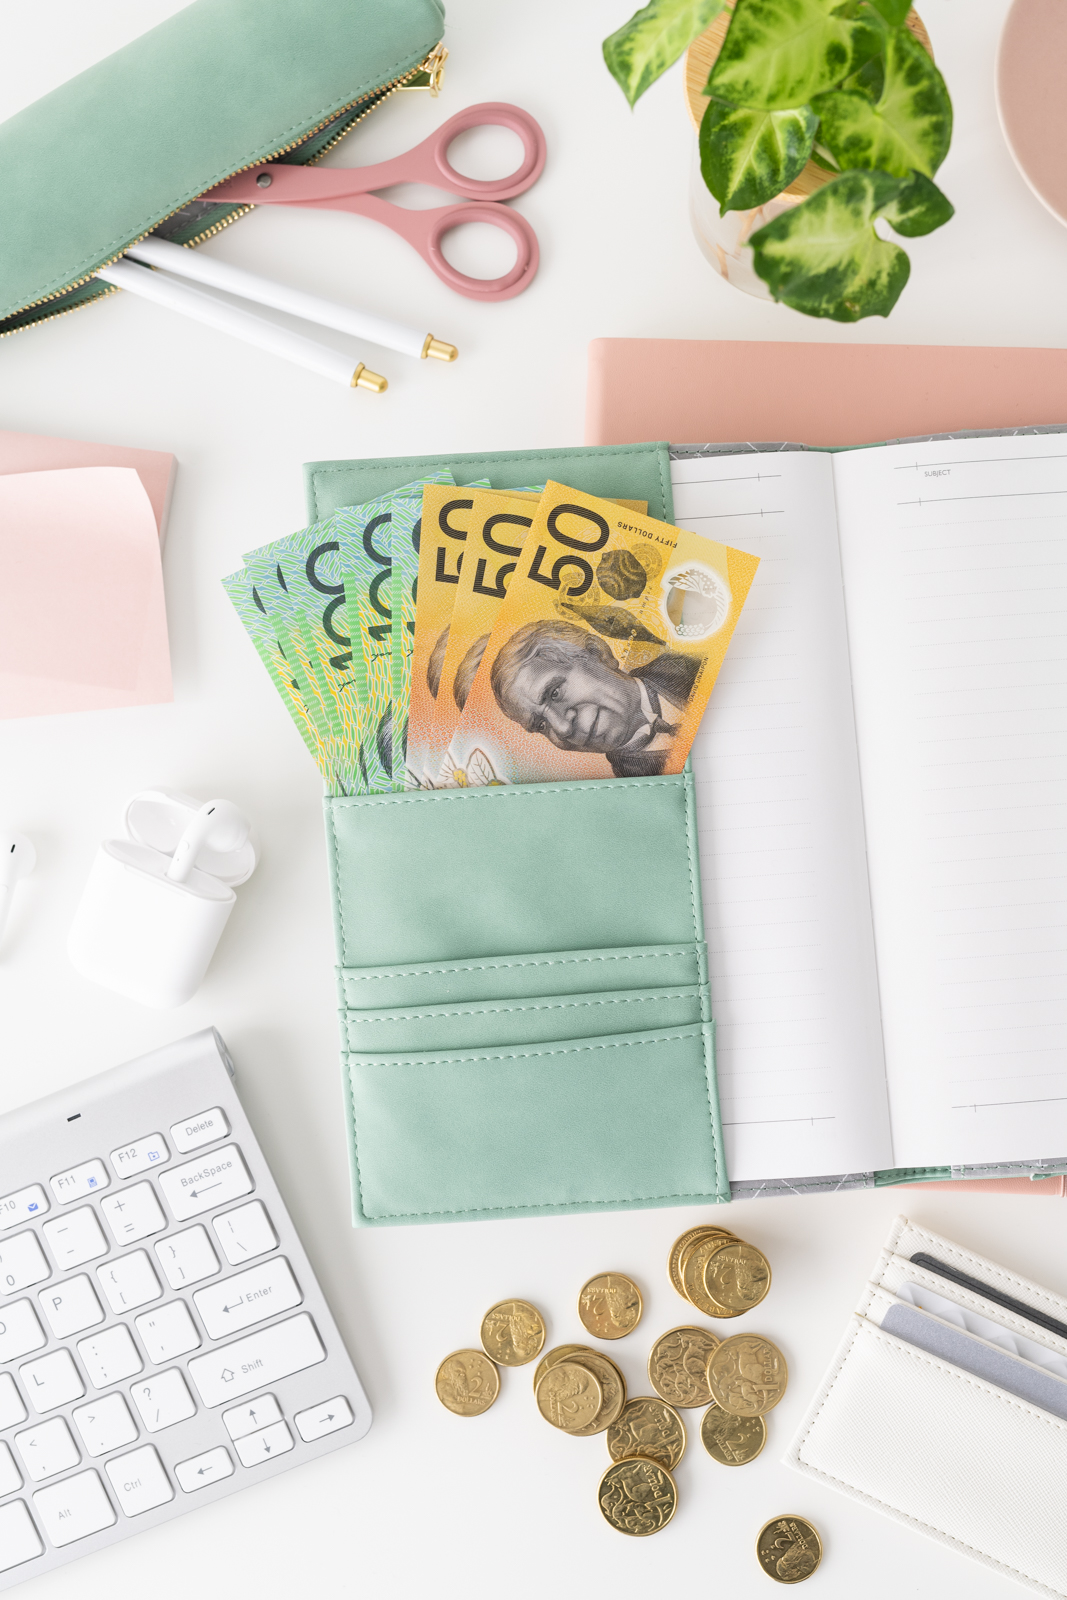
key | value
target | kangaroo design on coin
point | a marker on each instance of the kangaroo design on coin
(788, 1549)
(467, 1383)
(678, 1366)
(648, 1427)
(513, 1332)
(637, 1497)
(610, 1305)
(747, 1375)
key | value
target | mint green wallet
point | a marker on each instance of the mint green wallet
(524, 1006)
(130, 146)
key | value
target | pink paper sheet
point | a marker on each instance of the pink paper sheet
(40, 452)
(83, 624)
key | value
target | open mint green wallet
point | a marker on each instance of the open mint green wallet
(522, 979)
(130, 146)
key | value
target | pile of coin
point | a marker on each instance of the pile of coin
(718, 1273)
(468, 1381)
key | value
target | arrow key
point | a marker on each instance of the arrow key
(199, 1471)
(252, 1416)
(255, 1448)
(317, 1422)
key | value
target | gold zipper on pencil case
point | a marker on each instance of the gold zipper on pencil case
(433, 66)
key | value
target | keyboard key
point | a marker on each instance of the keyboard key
(168, 1332)
(252, 1417)
(139, 1482)
(134, 1214)
(20, 1331)
(201, 1185)
(110, 1356)
(245, 1233)
(51, 1381)
(21, 1206)
(205, 1128)
(10, 1476)
(76, 1183)
(47, 1449)
(19, 1539)
(12, 1409)
(249, 1297)
(71, 1307)
(75, 1239)
(139, 1156)
(22, 1262)
(104, 1425)
(74, 1509)
(331, 1416)
(256, 1361)
(163, 1400)
(129, 1282)
(263, 1446)
(187, 1257)
(199, 1471)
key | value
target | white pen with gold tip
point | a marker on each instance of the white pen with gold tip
(215, 274)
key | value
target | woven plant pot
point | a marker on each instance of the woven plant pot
(724, 240)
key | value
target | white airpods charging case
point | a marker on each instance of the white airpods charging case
(141, 933)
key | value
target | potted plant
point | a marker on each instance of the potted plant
(842, 95)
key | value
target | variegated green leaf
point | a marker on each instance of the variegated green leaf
(653, 39)
(824, 258)
(779, 53)
(749, 156)
(919, 208)
(894, 11)
(907, 130)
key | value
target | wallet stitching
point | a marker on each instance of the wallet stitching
(476, 1010)
(505, 964)
(969, 1301)
(920, 1357)
(685, 1031)
(495, 459)
(965, 1257)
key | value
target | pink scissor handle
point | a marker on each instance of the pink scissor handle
(425, 230)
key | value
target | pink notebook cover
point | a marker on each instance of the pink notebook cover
(710, 391)
(703, 391)
(38, 452)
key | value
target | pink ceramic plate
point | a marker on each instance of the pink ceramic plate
(1031, 79)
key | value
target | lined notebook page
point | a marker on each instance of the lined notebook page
(786, 909)
(955, 563)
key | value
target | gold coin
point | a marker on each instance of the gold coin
(569, 1396)
(650, 1428)
(467, 1383)
(553, 1358)
(612, 1384)
(788, 1549)
(637, 1497)
(513, 1332)
(678, 1366)
(734, 1441)
(694, 1260)
(682, 1244)
(747, 1375)
(737, 1277)
(610, 1305)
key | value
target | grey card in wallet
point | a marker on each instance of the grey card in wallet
(945, 1407)
(875, 785)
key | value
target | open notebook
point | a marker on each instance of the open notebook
(880, 777)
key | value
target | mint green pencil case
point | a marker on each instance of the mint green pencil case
(131, 146)
(522, 977)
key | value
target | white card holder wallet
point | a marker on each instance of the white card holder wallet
(945, 1407)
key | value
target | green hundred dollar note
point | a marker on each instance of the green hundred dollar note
(293, 693)
(376, 742)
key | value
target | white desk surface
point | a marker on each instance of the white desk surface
(429, 1503)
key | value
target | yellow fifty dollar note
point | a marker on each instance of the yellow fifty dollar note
(604, 653)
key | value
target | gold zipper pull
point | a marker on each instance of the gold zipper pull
(433, 69)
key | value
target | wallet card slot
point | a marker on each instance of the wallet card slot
(556, 972)
(982, 1358)
(942, 1450)
(902, 1279)
(576, 1125)
(942, 1269)
(493, 1024)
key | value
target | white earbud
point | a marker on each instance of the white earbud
(17, 860)
(217, 824)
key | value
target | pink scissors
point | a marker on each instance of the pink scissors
(351, 189)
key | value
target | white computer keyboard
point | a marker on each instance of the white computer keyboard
(163, 1340)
